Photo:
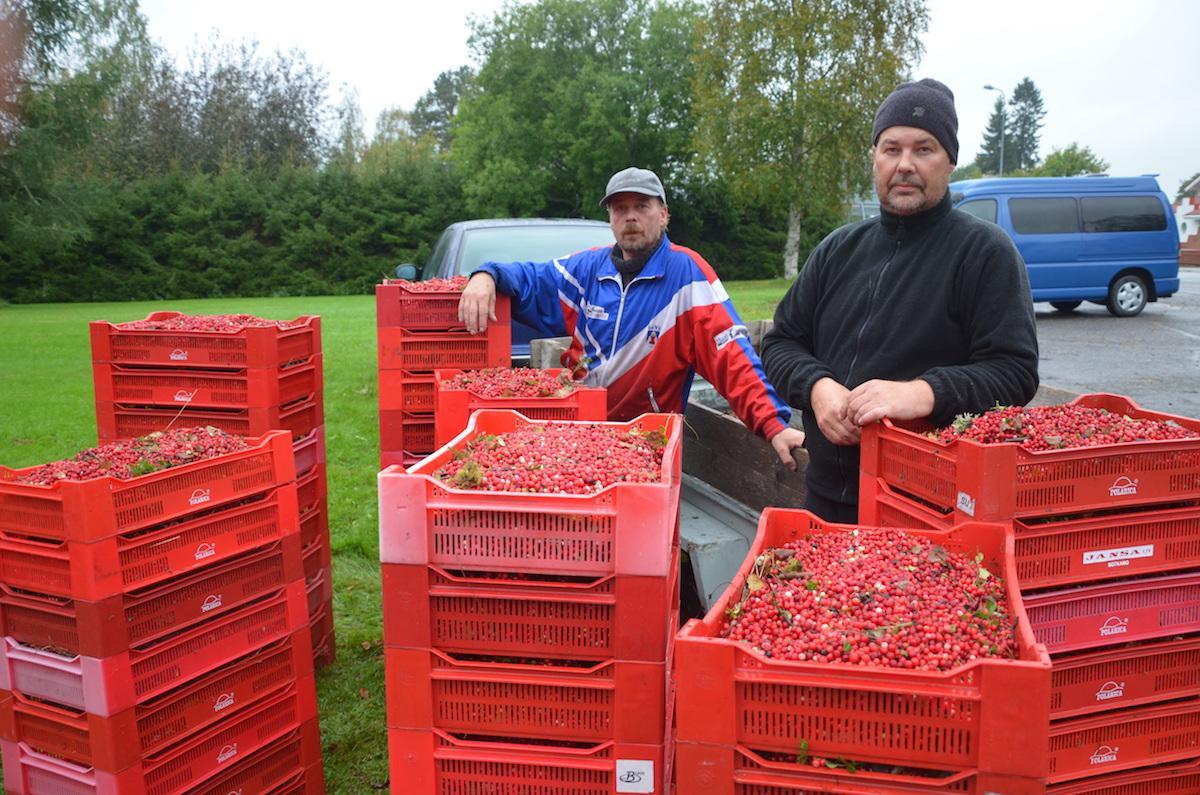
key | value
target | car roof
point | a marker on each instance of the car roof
(489, 223)
(1092, 184)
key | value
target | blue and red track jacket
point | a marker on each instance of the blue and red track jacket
(645, 342)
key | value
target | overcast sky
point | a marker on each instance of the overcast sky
(1117, 77)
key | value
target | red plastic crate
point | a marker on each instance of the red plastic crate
(317, 559)
(435, 763)
(110, 685)
(121, 622)
(269, 346)
(290, 765)
(324, 648)
(416, 351)
(119, 421)
(116, 742)
(93, 509)
(702, 769)
(611, 700)
(1103, 615)
(621, 617)
(183, 768)
(310, 451)
(453, 407)
(1173, 779)
(1153, 734)
(400, 458)
(403, 391)
(396, 305)
(627, 528)
(123, 563)
(250, 387)
(999, 482)
(990, 715)
(320, 591)
(399, 430)
(1142, 673)
(314, 525)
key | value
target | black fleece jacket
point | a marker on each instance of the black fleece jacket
(939, 295)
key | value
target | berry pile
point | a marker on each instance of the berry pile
(1058, 427)
(556, 458)
(129, 459)
(454, 284)
(876, 597)
(224, 323)
(504, 382)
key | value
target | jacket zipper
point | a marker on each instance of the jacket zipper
(620, 310)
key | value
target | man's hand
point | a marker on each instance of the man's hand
(478, 302)
(900, 400)
(830, 401)
(785, 442)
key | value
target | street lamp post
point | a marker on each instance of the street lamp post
(1003, 123)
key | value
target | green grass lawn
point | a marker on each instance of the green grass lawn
(47, 413)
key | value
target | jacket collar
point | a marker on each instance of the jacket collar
(655, 267)
(913, 223)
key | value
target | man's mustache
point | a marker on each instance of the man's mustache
(913, 182)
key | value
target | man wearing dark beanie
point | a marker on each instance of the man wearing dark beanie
(923, 312)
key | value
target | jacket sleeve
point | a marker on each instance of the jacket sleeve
(725, 358)
(536, 289)
(996, 307)
(787, 349)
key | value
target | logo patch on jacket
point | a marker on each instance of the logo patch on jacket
(652, 334)
(595, 312)
(730, 334)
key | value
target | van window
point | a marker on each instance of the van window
(1122, 214)
(1043, 216)
(980, 208)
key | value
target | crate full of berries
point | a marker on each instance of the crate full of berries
(538, 394)
(174, 339)
(518, 495)
(431, 304)
(869, 648)
(1097, 452)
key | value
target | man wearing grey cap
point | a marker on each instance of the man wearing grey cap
(643, 316)
(921, 312)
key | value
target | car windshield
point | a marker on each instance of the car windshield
(528, 243)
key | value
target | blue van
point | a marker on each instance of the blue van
(1108, 240)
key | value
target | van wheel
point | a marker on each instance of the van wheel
(1127, 295)
(1066, 306)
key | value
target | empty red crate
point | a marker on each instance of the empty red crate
(990, 715)
(454, 406)
(414, 351)
(401, 391)
(399, 430)
(622, 617)
(109, 685)
(317, 559)
(93, 509)
(310, 451)
(314, 525)
(626, 528)
(399, 458)
(114, 743)
(324, 649)
(1140, 673)
(320, 591)
(1104, 615)
(123, 563)
(118, 623)
(181, 769)
(1002, 481)
(702, 769)
(1147, 735)
(251, 387)
(268, 346)
(436, 763)
(611, 700)
(290, 765)
(118, 421)
(397, 305)
(1173, 779)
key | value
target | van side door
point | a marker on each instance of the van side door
(1046, 231)
(1131, 231)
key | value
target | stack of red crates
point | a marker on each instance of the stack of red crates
(454, 406)
(528, 636)
(154, 634)
(419, 332)
(1107, 543)
(246, 382)
(746, 722)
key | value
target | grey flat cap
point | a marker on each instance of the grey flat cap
(634, 180)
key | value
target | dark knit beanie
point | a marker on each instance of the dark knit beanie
(926, 104)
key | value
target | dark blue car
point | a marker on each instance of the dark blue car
(466, 245)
